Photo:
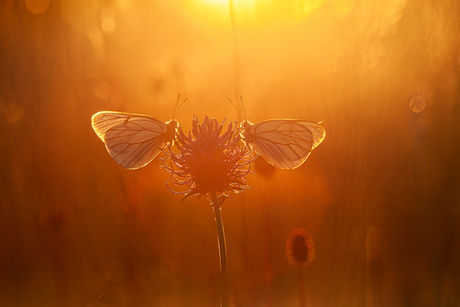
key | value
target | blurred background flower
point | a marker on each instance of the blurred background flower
(300, 249)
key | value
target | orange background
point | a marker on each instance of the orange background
(380, 196)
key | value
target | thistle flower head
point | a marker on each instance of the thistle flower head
(300, 249)
(209, 161)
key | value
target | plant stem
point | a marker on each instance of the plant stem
(225, 295)
(301, 284)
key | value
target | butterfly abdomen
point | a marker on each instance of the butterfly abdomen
(246, 133)
(171, 130)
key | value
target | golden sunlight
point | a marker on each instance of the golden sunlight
(240, 3)
(251, 12)
(218, 11)
(303, 8)
(374, 207)
(217, 2)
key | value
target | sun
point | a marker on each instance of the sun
(216, 1)
(253, 12)
(219, 11)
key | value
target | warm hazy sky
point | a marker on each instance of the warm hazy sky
(379, 196)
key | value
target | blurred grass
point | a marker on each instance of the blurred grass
(78, 230)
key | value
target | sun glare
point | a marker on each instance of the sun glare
(253, 11)
(241, 3)
(225, 2)
(218, 11)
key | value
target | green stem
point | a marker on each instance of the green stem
(222, 251)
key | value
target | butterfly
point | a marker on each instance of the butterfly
(284, 143)
(133, 140)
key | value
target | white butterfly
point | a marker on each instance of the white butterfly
(133, 140)
(284, 143)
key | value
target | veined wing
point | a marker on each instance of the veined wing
(284, 143)
(317, 131)
(132, 140)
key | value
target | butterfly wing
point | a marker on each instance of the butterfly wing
(132, 140)
(284, 143)
(317, 131)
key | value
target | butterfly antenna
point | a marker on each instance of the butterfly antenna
(237, 108)
(242, 104)
(175, 107)
(178, 106)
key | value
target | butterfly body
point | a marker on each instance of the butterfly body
(284, 143)
(133, 140)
